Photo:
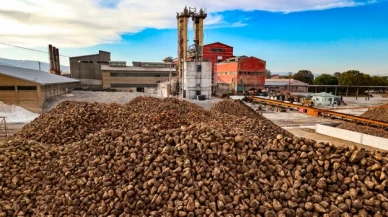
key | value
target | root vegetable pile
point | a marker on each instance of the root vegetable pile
(213, 164)
(379, 113)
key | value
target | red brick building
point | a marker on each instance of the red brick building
(241, 73)
(216, 52)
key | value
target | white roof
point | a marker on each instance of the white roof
(324, 94)
(36, 76)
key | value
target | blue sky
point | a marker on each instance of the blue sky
(323, 41)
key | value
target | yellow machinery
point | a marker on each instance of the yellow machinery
(307, 102)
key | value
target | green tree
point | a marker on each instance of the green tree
(353, 77)
(268, 73)
(304, 76)
(326, 79)
(379, 81)
(337, 75)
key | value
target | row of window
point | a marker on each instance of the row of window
(139, 74)
(18, 87)
(217, 49)
(240, 73)
(251, 73)
(132, 85)
(226, 73)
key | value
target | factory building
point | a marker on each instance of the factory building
(215, 53)
(30, 88)
(240, 73)
(87, 68)
(140, 77)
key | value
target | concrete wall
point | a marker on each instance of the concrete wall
(164, 89)
(226, 72)
(193, 80)
(364, 139)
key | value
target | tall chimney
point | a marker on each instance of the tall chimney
(58, 62)
(54, 60)
(51, 58)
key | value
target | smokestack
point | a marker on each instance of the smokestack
(58, 62)
(51, 58)
(54, 60)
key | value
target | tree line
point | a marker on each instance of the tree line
(351, 77)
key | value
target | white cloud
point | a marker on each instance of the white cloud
(75, 23)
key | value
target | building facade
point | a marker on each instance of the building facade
(215, 53)
(241, 73)
(140, 77)
(197, 80)
(30, 88)
(87, 68)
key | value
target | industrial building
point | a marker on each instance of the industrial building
(240, 73)
(215, 53)
(197, 80)
(87, 68)
(30, 88)
(140, 77)
(283, 85)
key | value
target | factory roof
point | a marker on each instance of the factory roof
(321, 94)
(219, 43)
(282, 82)
(136, 69)
(35, 76)
(89, 55)
(275, 83)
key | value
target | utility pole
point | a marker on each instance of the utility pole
(39, 65)
(289, 81)
(170, 81)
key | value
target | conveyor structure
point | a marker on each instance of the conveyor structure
(323, 113)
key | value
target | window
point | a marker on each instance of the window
(199, 68)
(26, 87)
(217, 50)
(7, 87)
(157, 75)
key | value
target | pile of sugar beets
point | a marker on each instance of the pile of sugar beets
(166, 157)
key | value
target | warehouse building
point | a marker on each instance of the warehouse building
(30, 88)
(140, 77)
(240, 73)
(87, 68)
